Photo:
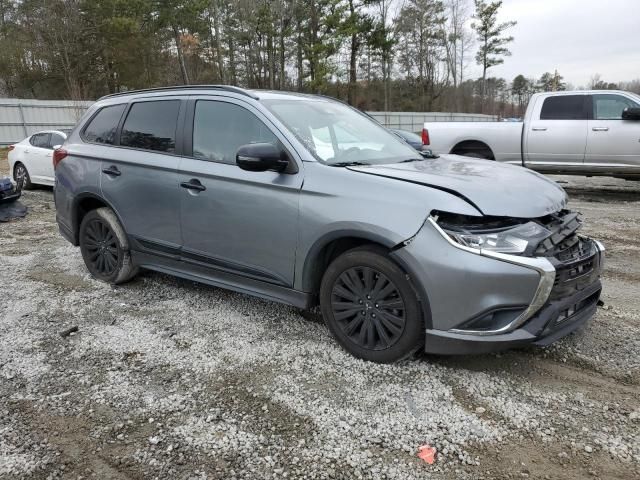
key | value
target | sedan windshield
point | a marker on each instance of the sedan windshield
(338, 135)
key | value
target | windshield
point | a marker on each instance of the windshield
(635, 97)
(339, 135)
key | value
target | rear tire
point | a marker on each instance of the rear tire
(370, 306)
(104, 247)
(21, 176)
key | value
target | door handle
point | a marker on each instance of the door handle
(539, 129)
(112, 170)
(600, 129)
(193, 184)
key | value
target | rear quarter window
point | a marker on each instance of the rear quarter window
(103, 126)
(151, 125)
(56, 139)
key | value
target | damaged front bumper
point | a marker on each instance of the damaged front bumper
(499, 301)
(552, 322)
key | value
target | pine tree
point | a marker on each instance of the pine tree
(489, 32)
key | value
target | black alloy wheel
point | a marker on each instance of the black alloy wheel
(368, 308)
(104, 246)
(371, 307)
(21, 176)
(102, 249)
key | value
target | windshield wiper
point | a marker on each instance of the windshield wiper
(429, 154)
(347, 164)
(424, 153)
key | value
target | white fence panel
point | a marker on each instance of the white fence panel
(20, 118)
(413, 121)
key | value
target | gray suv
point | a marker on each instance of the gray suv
(304, 200)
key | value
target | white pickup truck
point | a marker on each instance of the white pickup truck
(576, 132)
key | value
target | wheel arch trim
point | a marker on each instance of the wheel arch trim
(472, 140)
(75, 224)
(314, 255)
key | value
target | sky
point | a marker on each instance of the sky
(579, 38)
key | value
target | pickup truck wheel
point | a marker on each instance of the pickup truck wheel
(104, 248)
(370, 306)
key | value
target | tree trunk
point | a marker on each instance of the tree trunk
(281, 77)
(183, 67)
(353, 74)
(216, 40)
(353, 60)
(299, 58)
(271, 58)
(232, 62)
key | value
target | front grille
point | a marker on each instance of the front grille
(577, 273)
(564, 242)
(572, 310)
(575, 258)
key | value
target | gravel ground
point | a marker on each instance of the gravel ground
(170, 379)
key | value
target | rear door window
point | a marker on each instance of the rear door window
(151, 126)
(40, 140)
(103, 126)
(564, 107)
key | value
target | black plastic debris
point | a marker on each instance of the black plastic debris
(68, 331)
(10, 208)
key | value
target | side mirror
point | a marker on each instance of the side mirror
(631, 114)
(55, 147)
(260, 157)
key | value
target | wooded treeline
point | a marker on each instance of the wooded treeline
(406, 55)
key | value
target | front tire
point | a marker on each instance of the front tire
(22, 178)
(370, 306)
(104, 247)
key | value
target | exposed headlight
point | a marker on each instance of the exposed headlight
(515, 239)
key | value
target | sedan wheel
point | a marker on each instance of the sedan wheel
(21, 176)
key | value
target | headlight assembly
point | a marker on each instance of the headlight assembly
(506, 238)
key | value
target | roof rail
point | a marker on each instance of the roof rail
(228, 88)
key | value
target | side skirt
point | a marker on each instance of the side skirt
(218, 278)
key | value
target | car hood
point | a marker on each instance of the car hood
(494, 188)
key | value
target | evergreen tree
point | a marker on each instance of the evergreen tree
(492, 43)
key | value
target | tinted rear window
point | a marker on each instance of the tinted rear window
(151, 126)
(564, 107)
(102, 128)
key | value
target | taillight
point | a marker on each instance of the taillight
(59, 155)
(425, 137)
(11, 147)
